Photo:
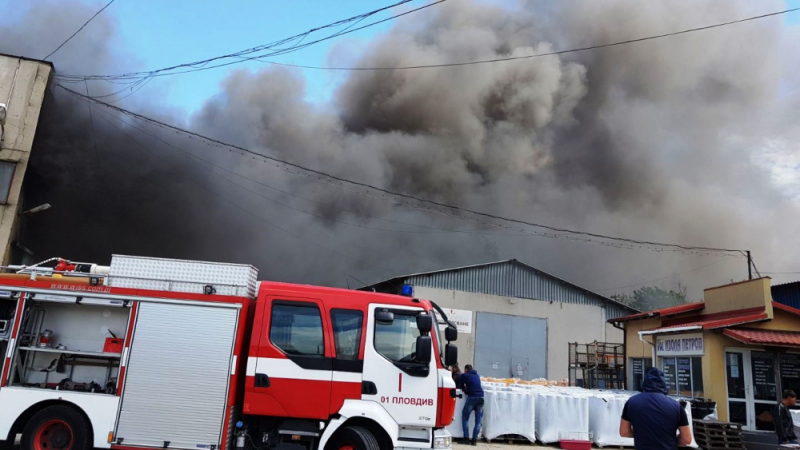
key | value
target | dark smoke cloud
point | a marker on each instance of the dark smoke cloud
(672, 140)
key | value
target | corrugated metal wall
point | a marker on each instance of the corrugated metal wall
(788, 294)
(510, 279)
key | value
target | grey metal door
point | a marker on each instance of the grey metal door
(510, 346)
(176, 386)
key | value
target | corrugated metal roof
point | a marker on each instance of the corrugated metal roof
(787, 293)
(776, 338)
(511, 278)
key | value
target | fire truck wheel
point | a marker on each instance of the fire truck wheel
(58, 427)
(353, 438)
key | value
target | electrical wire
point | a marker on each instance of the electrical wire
(537, 55)
(439, 230)
(271, 200)
(79, 29)
(91, 122)
(204, 64)
(449, 210)
(304, 239)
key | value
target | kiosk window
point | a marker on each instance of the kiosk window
(640, 367)
(790, 371)
(684, 376)
(763, 368)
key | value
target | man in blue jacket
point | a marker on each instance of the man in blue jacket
(470, 383)
(653, 420)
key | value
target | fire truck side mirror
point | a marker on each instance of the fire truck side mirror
(450, 334)
(385, 317)
(450, 355)
(425, 323)
(423, 350)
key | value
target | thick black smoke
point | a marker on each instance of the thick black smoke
(682, 139)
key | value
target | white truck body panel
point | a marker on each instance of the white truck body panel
(100, 408)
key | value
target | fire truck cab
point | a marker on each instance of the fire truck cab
(172, 354)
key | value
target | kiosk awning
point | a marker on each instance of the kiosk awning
(711, 322)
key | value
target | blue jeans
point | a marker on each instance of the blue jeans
(472, 404)
(791, 441)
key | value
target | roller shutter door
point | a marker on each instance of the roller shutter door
(177, 376)
(511, 346)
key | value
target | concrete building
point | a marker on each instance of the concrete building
(738, 348)
(23, 84)
(515, 320)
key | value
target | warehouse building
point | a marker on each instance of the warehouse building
(514, 320)
(738, 348)
(23, 85)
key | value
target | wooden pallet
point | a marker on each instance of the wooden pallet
(714, 435)
(716, 426)
(721, 447)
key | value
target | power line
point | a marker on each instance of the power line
(319, 216)
(537, 55)
(240, 55)
(659, 246)
(91, 121)
(526, 233)
(251, 213)
(79, 29)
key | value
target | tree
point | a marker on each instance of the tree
(649, 298)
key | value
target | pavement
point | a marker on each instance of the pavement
(516, 445)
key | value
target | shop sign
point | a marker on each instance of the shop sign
(680, 345)
(462, 319)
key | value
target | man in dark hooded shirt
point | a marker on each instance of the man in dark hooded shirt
(654, 420)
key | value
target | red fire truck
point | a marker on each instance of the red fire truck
(172, 354)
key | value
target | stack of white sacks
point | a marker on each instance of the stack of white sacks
(548, 414)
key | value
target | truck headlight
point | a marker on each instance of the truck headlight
(443, 442)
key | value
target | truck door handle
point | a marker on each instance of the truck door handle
(369, 388)
(262, 380)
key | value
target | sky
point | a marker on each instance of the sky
(151, 34)
(159, 34)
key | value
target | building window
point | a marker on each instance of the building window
(6, 177)
(639, 368)
(684, 376)
(297, 330)
(347, 326)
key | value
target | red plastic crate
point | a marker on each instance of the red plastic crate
(567, 444)
(113, 345)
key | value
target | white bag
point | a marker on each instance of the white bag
(509, 413)
(560, 413)
(604, 417)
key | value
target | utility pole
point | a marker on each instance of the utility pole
(749, 266)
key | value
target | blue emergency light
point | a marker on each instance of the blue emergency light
(407, 290)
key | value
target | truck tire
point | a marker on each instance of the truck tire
(58, 427)
(353, 438)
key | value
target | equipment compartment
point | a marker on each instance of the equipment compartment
(62, 341)
(8, 307)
